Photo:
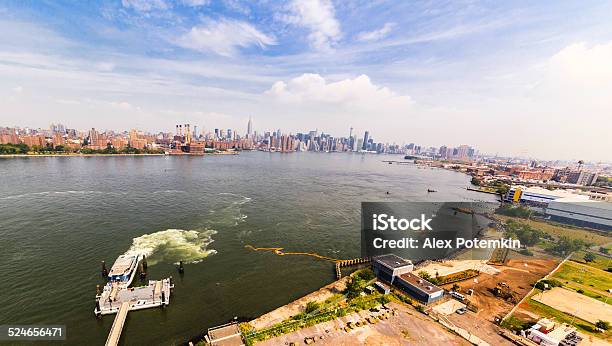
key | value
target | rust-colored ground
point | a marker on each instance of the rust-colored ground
(515, 273)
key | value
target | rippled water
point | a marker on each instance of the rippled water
(59, 217)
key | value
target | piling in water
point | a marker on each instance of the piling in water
(181, 269)
(104, 271)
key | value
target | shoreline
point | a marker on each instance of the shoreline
(10, 156)
(15, 156)
(296, 306)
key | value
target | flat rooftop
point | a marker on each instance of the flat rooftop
(392, 261)
(420, 284)
(228, 335)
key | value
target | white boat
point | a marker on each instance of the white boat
(124, 269)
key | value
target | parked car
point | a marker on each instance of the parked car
(461, 311)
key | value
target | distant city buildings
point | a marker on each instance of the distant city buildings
(187, 140)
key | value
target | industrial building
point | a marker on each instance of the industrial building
(398, 272)
(388, 267)
(535, 196)
(419, 288)
(581, 212)
(577, 208)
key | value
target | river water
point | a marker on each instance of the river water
(59, 217)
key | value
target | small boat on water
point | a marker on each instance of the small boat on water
(124, 269)
(430, 190)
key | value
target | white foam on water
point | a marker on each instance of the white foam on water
(61, 193)
(230, 214)
(174, 245)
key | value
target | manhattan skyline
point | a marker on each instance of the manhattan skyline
(537, 75)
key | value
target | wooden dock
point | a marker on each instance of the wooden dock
(115, 332)
(348, 263)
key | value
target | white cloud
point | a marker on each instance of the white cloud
(224, 37)
(318, 17)
(579, 63)
(311, 100)
(237, 6)
(18, 89)
(376, 34)
(357, 94)
(124, 106)
(146, 5)
(195, 3)
(578, 78)
(67, 102)
(105, 66)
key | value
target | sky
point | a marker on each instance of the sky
(524, 78)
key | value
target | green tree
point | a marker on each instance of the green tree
(603, 250)
(311, 306)
(366, 274)
(605, 325)
(424, 275)
(589, 257)
(564, 246)
(354, 287)
(14, 148)
(384, 299)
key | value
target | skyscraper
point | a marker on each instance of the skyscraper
(250, 127)
(365, 140)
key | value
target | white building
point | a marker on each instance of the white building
(581, 211)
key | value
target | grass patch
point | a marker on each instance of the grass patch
(600, 262)
(559, 230)
(585, 275)
(589, 293)
(515, 324)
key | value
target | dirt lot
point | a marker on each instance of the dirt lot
(455, 266)
(519, 273)
(576, 304)
(407, 327)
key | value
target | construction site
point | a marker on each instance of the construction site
(491, 294)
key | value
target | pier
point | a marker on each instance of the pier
(112, 298)
(115, 332)
(117, 299)
(347, 263)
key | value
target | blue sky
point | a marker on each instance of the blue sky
(510, 77)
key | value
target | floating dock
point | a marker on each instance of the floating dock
(156, 294)
(117, 297)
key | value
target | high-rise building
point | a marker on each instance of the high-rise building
(582, 178)
(250, 127)
(365, 140)
(462, 151)
(443, 152)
